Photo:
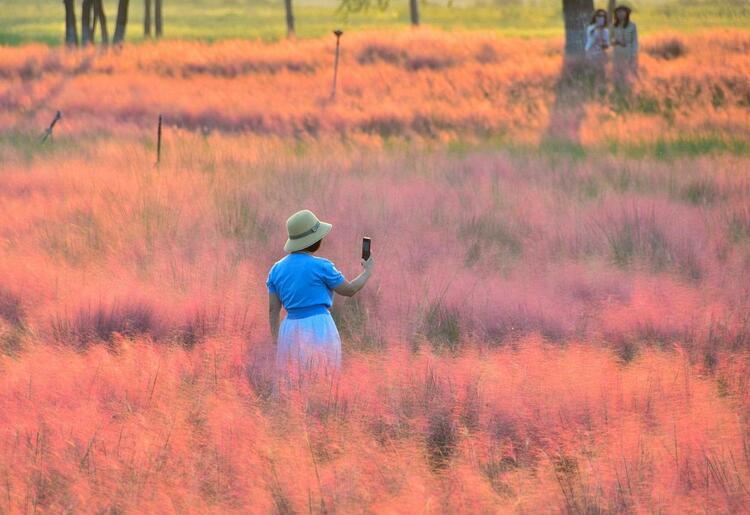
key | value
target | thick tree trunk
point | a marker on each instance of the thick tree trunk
(122, 22)
(414, 12)
(147, 18)
(158, 18)
(289, 18)
(87, 29)
(577, 15)
(71, 32)
(99, 15)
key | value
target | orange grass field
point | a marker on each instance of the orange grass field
(558, 322)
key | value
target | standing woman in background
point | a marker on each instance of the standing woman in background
(597, 43)
(625, 43)
(303, 284)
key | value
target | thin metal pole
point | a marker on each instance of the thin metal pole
(158, 143)
(338, 34)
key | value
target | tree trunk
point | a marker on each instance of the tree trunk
(158, 18)
(577, 14)
(289, 18)
(71, 32)
(93, 25)
(147, 18)
(414, 12)
(87, 29)
(611, 11)
(99, 15)
(122, 22)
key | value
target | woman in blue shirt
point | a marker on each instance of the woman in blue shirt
(304, 284)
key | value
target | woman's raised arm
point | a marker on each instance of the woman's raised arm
(349, 288)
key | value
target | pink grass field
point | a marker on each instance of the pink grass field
(552, 326)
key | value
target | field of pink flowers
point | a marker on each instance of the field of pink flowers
(555, 327)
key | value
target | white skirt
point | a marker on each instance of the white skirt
(310, 342)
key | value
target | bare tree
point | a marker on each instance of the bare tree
(122, 22)
(102, 19)
(71, 32)
(87, 22)
(289, 18)
(158, 18)
(147, 18)
(576, 14)
(611, 4)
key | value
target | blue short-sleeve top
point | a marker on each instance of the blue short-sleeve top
(304, 283)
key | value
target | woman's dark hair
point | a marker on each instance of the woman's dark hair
(312, 248)
(597, 13)
(627, 16)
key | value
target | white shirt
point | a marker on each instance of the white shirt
(596, 37)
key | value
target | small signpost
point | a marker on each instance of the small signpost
(338, 34)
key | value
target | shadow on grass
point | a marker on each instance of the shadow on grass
(572, 91)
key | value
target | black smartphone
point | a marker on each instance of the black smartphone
(366, 248)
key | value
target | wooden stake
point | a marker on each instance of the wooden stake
(158, 143)
(48, 132)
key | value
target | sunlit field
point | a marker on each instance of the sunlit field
(27, 21)
(559, 319)
(693, 95)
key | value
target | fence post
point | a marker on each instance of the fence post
(338, 34)
(158, 143)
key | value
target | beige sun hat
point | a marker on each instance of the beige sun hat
(304, 229)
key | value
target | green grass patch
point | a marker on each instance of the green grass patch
(685, 146)
(663, 149)
(29, 146)
(442, 327)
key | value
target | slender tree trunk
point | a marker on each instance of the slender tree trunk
(158, 18)
(611, 11)
(93, 23)
(414, 12)
(576, 14)
(289, 18)
(147, 18)
(122, 22)
(71, 32)
(99, 15)
(87, 29)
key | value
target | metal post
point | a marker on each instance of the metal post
(338, 34)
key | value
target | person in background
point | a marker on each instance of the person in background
(625, 45)
(303, 284)
(597, 43)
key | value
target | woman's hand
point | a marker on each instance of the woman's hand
(368, 264)
(349, 288)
